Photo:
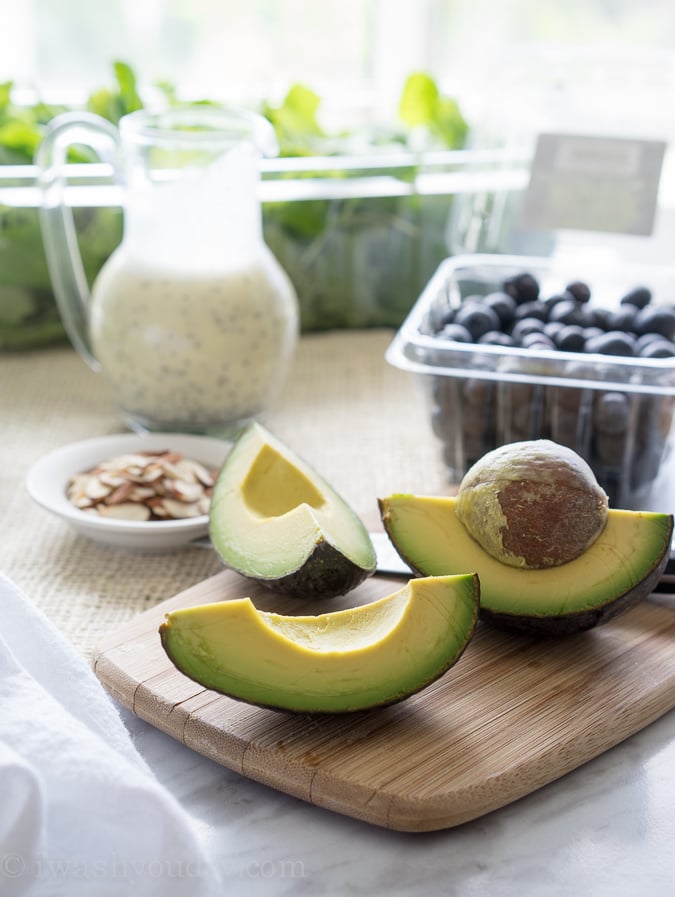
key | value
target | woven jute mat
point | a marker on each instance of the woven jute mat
(362, 423)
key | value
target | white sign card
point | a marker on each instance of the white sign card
(588, 183)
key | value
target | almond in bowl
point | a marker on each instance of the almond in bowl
(152, 484)
(137, 491)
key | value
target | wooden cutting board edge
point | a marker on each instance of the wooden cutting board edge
(232, 734)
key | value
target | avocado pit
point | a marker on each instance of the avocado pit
(532, 504)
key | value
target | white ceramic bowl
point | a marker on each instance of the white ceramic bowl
(47, 479)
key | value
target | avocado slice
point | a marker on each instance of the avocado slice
(276, 520)
(620, 568)
(352, 659)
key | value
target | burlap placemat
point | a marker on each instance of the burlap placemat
(359, 421)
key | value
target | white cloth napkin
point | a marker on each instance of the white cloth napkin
(80, 812)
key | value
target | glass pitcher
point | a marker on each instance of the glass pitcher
(192, 321)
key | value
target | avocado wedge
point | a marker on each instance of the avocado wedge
(276, 520)
(620, 568)
(348, 660)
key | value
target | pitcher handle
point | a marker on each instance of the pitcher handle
(59, 237)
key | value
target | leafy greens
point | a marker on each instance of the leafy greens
(355, 262)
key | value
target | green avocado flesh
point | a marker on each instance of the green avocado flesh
(276, 520)
(337, 662)
(619, 569)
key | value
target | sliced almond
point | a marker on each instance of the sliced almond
(200, 472)
(193, 471)
(82, 502)
(94, 488)
(151, 474)
(180, 510)
(189, 492)
(158, 509)
(141, 493)
(171, 470)
(111, 479)
(125, 511)
(121, 494)
(148, 485)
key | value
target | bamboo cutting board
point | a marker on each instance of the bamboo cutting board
(514, 713)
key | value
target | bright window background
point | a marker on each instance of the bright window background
(355, 53)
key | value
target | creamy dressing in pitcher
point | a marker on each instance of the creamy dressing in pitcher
(188, 350)
(192, 321)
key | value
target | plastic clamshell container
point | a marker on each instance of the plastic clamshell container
(616, 412)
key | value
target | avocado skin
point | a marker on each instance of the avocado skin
(569, 624)
(326, 573)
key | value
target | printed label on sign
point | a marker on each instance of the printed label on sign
(593, 183)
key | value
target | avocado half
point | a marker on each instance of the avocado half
(353, 659)
(620, 568)
(276, 520)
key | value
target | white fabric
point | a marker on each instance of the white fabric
(80, 812)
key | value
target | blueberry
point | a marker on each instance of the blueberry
(551, 328)
(599, 317)
(503, 304)
(658, 348)
(447, 317)
(524, 287)
(612, 413)
(477, 318)
(638, 297)
(456, 332)
(615, 342)
(556, 298)
(590, 332)
(497, 338)
(622, 318)
(525, 326)
(536, 340)
(656, 320)
(536, 309)
(579, 290)
(567, 311)
(643, 341)
(571, 338)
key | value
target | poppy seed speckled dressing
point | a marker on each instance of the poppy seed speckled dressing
(193, 352)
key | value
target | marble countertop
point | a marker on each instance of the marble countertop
(605, 830)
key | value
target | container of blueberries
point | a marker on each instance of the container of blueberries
(512, 347)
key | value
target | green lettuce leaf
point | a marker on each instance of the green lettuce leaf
(114, 102)
(295, 121)
(423, 106)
